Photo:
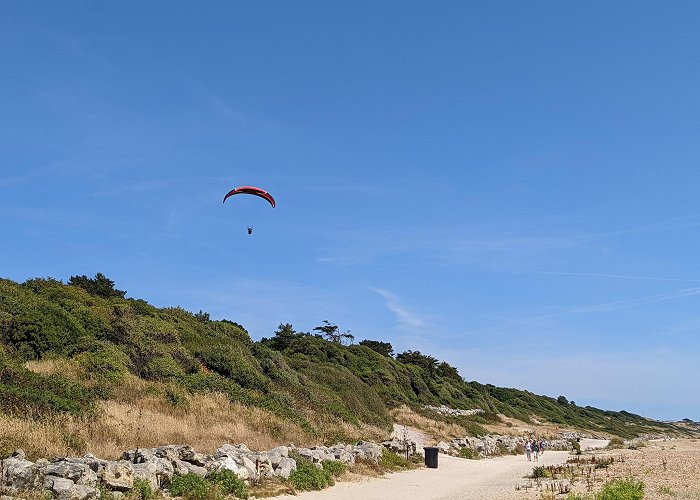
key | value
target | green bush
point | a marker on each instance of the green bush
(31, 395)
(162, 368)
(309, 477)
(193, 487)
(334, 467)
(622, 489)
(392, 461)
(468, 452)
(104, 362)
(107, 494)
(538, 472)
(229, 483)
(578, 496)
(141, 491)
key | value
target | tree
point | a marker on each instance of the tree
(202, 316)
(332, 333)
(383, 348)
(446, 370)
(562, 401)
(428, 363)
(284, 336)
(100, 285)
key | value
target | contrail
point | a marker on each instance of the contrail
(622, 276)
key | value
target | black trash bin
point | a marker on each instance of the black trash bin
(431, 457)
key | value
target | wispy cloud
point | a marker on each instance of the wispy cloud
(512, 244)
(444, 246)
(620, 276)
(65, 167)
(406, 318)
(592, 308)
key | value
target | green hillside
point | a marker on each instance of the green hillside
(301, 378)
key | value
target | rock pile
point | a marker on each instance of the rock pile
(81, 478)
(446, 410)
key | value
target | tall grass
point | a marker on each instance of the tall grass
(210, 421)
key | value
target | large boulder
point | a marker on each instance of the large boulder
(187, 454)
(118, 476)
(285, 468)
(367, 451)
(20, 474)
(275, 455)
(232, 464)
(148, 471)
(77, 472)
(65, 489)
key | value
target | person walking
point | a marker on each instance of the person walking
(542, 447)
(536, 450)
(528, 450)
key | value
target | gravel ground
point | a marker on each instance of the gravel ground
(669, 469)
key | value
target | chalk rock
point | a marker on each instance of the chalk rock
(118, 476)
(65, 489)
(285, 468)
(76, 472)
(229, 463)
(21, 474)
(368, 451)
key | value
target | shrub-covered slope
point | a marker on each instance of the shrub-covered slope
(299, 377)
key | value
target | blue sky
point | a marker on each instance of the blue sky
(508, 186)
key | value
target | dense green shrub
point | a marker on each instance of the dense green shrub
(538, 472)
(309, 477)
(162, 367)
(194, 487)
(622, 489)
(29, 394)
(104, 361)
(468, 452)
(393, 461)
(229, 483)
(334, 467)
(142, 490)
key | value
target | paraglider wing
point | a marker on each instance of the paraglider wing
(252, 190)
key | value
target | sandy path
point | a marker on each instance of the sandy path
(455, 478)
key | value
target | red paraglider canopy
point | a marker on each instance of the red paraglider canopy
(252, 190)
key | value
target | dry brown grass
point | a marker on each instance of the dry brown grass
(437, 429)
(23, 495)
(140, 415)
(63, 366)
(210, 421)
(514, 426)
